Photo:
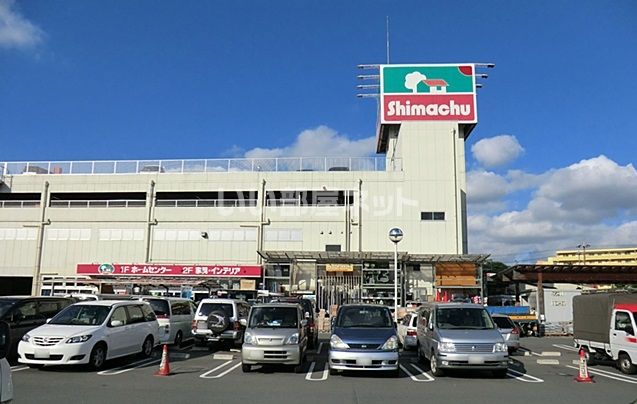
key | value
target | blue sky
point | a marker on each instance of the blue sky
(550, 163)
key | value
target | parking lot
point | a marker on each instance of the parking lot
(542, 371)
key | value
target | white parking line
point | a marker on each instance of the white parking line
(18, 368)
(523, 377)
(608, 374)
(309, 373)
(318, 352)
(128, 368)
(222, 374)
(566, 347)
(422, 372)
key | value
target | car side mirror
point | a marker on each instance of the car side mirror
(5, 339)
(395, 325)
(116, 323)
(431, 326)
(332, 322)
(307, 314)
(243, 322)
(48, 320)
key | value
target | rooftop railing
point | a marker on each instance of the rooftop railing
(284, 164)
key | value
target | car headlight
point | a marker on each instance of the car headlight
(391, 344)
(446, 347)
(292, 339)
(75, 340)
(337, 343)
(500, 347)
(26, 337)
(249, 339)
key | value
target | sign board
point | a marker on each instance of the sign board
(248, 284)
(213, 271)
(428, 93)
(339, 268)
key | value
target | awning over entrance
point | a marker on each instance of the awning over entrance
(595, 274)
(358, 256)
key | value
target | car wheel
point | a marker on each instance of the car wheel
(35, 366)
(98, 357)
(179, 338)
(394, 372)
(500, 373)
(245, 368)
(333, 372)
(433, 365)
(147, 347)
(625, 364)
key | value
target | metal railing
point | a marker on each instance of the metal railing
(286, 164)
(206, 203)
(98, 204)
(19, 204)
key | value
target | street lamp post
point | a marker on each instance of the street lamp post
(395, 235)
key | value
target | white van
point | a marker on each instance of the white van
(91, 333)
(175, 316)
(6, 384)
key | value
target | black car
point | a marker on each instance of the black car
(24, 313)
(310, 315)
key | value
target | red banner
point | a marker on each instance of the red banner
(213, 271)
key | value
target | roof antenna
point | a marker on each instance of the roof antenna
(387, 31)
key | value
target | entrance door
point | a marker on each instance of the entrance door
(338, 290)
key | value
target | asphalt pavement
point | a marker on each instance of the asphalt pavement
(542, 371)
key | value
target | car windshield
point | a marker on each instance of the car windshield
(370, 317)
(466, 318)
(274, 317)
(160, 307)
(502, 322)
(81, 314)
(207, 308)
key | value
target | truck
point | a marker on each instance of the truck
(604, 327)
(522, 316)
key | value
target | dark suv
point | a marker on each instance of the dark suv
(24, 313)
(310, 315)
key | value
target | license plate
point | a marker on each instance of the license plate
(202, 325)
(364, 361)
(40, 353)
(476, 360)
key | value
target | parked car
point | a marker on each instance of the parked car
(6, 383)
(92, 333)
(24, 313)
(175, 316)
(363, 338)
(309, 313)
(510, 332)
(218, 320)
(407, 331)
(460, 336)
(275, 333)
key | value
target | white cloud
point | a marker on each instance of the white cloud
(16, 31)
(568, 205)
(319, 142)
(496, 151)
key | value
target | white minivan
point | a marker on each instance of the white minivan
(175, 316)
(91, 333)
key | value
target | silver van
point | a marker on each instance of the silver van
(460, 336)
(275, 333)
(175, 316)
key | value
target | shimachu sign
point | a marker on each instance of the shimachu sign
(428, 93)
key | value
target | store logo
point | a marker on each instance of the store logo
(106, 269)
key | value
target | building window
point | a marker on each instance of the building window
(432, 216)
(333, 247)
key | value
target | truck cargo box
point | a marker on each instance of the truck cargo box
(508, 310)
(592, 313)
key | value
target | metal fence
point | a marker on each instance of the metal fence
(287, 164)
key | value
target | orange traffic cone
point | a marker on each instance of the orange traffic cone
(583, 376)
(164, 366)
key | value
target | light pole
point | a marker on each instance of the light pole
(395, 235)
(584, 246)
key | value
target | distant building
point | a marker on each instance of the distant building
(595, 256)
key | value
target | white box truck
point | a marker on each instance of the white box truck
(604, 326)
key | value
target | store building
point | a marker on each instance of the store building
(299, 225)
